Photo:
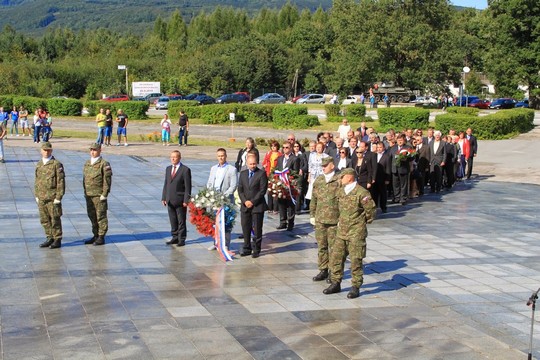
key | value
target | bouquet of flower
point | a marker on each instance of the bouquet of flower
(405, 155)
(283, 185)
(203, 208)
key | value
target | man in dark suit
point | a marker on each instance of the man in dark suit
(437, 156)
(252, 186)
(176, 196)
(472, 154)
(422, 164)
(286, 206)
(382, 177)
(400, 172)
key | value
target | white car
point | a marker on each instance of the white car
(351, 99)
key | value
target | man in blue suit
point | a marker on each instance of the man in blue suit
(223, 179)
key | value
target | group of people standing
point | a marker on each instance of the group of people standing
(104, 120)
(183, 129)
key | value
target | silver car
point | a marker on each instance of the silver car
(269, 98)
(162, 103)
(311, 99)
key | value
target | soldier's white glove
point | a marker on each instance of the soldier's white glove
(312, 221)
(37, 200)
(102, 198)
(56, 202)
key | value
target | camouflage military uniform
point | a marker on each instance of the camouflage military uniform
(356, 209)
(97, 180)
(48, 187)
(324, 208)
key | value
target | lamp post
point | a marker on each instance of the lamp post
(124, 67)
(466, 70)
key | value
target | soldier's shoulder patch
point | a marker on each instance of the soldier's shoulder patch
(366, 199)
(107, 167)
(60, 168)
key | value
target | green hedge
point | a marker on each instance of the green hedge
(220, 113)
(257, 112)
(463, 110)
(501, 125)
(175, 106)
(302, 122)
(354, 110)
(283, 116)
(135, 110)
(332, 109)
(403, 118)
(30, 103)
(351, 119)
(65, 107)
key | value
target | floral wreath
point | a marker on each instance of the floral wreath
(405, 155)
(284, 185)
(203, 208)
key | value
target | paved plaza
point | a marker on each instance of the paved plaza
(448, 277)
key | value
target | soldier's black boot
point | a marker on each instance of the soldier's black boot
(322, 275)
(46, 243)
(56, 244)
(353, 293)
(100, 241)
(332, 289)
(90, 241)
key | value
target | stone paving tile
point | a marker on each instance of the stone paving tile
(427, 294)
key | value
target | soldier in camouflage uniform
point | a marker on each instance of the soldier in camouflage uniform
(49, 188)
(356, 210)
(324, 214)
(97, 178)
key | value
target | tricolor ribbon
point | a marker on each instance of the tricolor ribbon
(283, 175)
(219, 236)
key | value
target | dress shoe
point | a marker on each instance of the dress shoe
(56, 244)
(90, 241)
(332, 289)
(99, 241)
(46, 243)
(255, 255)
(172, 242)
(245, 253)
(322, 275)
(290, 227)
(353, 293)
(181, 243)
(281, 226)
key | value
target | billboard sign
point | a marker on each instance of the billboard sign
(145, 88)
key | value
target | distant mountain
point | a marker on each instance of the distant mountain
(137, 16)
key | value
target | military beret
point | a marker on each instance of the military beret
(46, 146)
(95, 146)
(347, 171)
(327, 160)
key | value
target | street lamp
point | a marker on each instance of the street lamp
(466, 70)
(124, 67)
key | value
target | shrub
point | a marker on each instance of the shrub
(256, 112)
(403, 118)
(354, 110)
(134, 109)
(463, 110)
(6, 101)
(283, 115)
(30, 103)
(65, 107)
(332, 109)
(303, 122)
(351, 119)
(220, 113)
(500, 125)
(192, 109)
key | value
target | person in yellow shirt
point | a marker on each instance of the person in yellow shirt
(101, 120)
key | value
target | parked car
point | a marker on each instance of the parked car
(311, 99)
(523, 103)
(296, 98)
(193, 96)
(480, 104)
(205, 99)
(351, 99)
(117, 97)
(466, 100)
(245, 93)
(503, 103)
(269, 98)
(175, 97)
(162, 103)
(152, 97)
(232, 98)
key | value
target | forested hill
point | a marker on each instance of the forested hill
(136, 16)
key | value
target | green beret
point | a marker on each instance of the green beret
(327, 160)
(46, 146)
(95, 146)
(347, 171)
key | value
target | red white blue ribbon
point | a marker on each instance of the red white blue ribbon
(219, 236)
(283, 175)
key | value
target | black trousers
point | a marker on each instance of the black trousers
(287, 212)
(249, 221)
(469, 167)
(177, 218)
(379, 193)
(436, 178)
(401, 186)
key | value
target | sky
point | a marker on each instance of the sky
(479, 4)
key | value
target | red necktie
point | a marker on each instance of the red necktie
(173, 171)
